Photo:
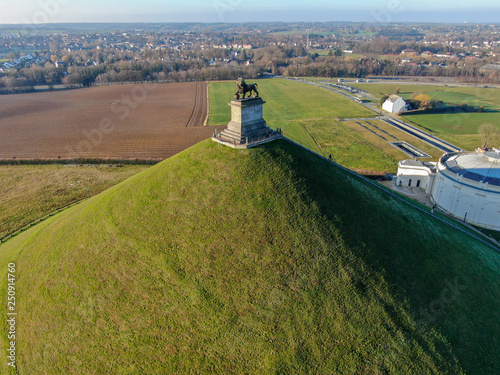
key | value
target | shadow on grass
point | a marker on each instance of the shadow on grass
(455, 110)
(439, 272)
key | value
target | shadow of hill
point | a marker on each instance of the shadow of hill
(422, 259)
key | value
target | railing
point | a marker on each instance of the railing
(250, 141)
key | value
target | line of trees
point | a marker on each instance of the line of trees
(104, 67)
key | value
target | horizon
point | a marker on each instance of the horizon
(250, 22)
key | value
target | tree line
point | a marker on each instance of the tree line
(99, 67)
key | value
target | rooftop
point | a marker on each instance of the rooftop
(483, 167)
(393, 98)
(417, 163)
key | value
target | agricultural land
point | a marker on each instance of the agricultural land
(150, 121)
(29, 192)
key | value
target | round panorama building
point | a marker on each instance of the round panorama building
(464, 184)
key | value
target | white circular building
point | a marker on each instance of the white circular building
(467, 185)
(464, 184)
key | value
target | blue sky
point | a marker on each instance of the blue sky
(43, 11)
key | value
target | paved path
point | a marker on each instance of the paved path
(422, 135)
(360, 119)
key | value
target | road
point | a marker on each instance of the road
(391, 119)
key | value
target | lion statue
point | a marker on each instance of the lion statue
(244, 88)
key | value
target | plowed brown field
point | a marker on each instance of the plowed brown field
(128, 121)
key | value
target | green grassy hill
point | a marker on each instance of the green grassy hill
(268, 260)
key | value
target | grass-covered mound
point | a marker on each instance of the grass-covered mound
(268, 260)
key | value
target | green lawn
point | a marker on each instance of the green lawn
(32, 191)
(459, 128)
(349, 148)
(298, 132)
(356, 148)
(267, 260)
(308, 115)
(285, 101)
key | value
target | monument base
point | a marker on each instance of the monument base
(247, 137)
(253, 143)
(247, 126)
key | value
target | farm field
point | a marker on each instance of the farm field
(30, 192)
(128, 121)
(458, 128)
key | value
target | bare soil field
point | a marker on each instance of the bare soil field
(125, 122)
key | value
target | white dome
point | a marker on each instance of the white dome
(478, 167)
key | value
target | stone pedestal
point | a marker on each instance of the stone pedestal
(247, 124)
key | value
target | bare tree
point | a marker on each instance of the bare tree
(489, 133)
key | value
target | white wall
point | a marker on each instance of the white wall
(394, 107)
(387, 106)
(415, 174)
(482, 207)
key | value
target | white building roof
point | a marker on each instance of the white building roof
(475, 166)
(393, 98)
(417, 163)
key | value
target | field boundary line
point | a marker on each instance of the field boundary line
(77, 162)
(205, 123)
(197, 111)
(194, 105)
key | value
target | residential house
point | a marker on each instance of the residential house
(394, 104)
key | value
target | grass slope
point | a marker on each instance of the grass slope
(32, 191)
(268, 260)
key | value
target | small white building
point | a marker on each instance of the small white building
(394, 104)
(416, 173)
(464, 184)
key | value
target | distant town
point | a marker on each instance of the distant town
(99, 54)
